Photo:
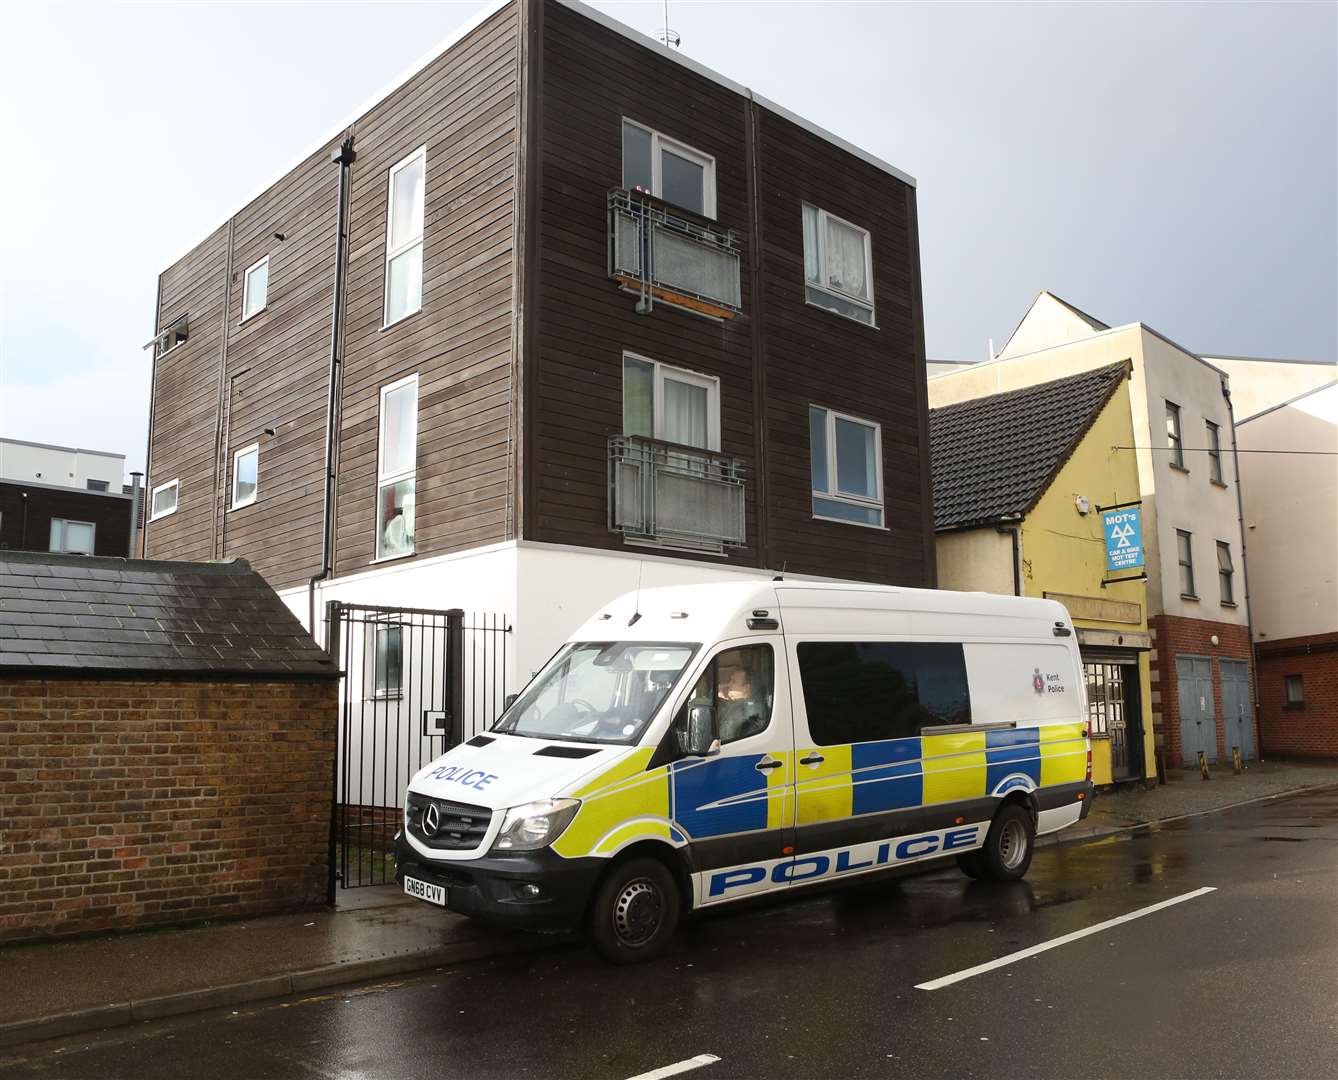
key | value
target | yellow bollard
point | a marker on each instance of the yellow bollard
(1235, 760)
(1203, 766)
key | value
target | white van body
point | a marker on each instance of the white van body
(853, 728)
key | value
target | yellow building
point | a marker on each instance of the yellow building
(1020, 482)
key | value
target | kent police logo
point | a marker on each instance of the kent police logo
(1038, 682)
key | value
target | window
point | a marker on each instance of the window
(846, 456)
(163, 500)
(1225, 571)
(1173, 435)
(72, 537)
(388, 662)
(740, 683)
(669, 170)
(98, 485)
(838, 265)
(670, 404)
(404, 237)
(1295, 691)
(1185, 554)
(397, 459)
(175, 335)
(255, 289)
(866, 691)
(245, 476)
(1105, 696)
(1214, 454)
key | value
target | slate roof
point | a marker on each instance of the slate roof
(993, 457)
(78, 613)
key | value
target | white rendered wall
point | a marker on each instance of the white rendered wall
(59, 466)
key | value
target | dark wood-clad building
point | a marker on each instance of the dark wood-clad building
(562, 311)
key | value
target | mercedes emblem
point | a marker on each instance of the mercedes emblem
(430, 820)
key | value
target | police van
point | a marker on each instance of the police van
(691, 746)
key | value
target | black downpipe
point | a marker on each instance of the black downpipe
(344, 158)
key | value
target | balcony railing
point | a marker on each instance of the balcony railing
(676, 495)
(664, 256)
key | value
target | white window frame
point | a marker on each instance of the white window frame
(1175, 439)
(709, 383)
(822, 284)
(246, 287)
(844, 497)
(254, 448)
(385, 479)
(683, 150)
(393, 253)
(153, 499)
(72, 521)
(1215, 473)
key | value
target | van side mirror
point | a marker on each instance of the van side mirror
(508, 701)
(701, 739)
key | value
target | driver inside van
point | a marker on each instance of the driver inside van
(743, 703)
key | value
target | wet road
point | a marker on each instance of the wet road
(1237, 982)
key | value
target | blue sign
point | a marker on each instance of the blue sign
(1124, 538)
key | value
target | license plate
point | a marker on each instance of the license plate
(425, 890)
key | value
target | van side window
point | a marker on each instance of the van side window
(739, 683)
(866, 691)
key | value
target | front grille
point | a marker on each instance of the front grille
(460, 827)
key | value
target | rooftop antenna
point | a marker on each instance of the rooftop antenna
(668, 38)
(991, 340)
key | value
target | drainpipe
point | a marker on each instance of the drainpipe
(136, 492)
(1245, 571)
(344, 158)
(1015, 531)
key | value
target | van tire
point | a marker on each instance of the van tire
(969, 864)
(1009, 845)
(634, 911)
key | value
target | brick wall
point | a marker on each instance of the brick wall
(1312, 729)
(1172, 636)
(135, 803)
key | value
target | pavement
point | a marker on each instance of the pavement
(64, 988)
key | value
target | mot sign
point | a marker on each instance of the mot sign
(1124, 537)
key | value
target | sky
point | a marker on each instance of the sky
(1174, 164)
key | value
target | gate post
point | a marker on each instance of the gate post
(455, 677)
(333, 646)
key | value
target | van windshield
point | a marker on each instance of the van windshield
(598, 691)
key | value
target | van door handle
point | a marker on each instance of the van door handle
(767, 764)
(812, 759)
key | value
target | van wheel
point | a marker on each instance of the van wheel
(634, 912)
(969, 864)
(1008, 845)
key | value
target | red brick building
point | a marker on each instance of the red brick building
(167, 744)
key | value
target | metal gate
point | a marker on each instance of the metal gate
(1236, 710)
(1113, 709)
(415, 682)
(1198, 725)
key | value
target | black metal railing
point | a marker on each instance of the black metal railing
(415, 682)
(672, 258)
(677, 495)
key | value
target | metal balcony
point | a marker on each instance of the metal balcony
(660, 255)
(675, 495)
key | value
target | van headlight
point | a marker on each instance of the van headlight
(535, 825)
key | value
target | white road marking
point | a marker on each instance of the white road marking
(1054, 943)
(677, 1067)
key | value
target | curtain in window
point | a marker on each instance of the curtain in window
(399, 433)
(685, 419)
(811, 271)
(845, 259)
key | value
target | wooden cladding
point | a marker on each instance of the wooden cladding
(519, 341)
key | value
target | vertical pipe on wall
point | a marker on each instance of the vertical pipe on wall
(216, 541)
(344, 158)
(1245, 572)
(136, 493)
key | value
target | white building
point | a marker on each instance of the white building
(61, 466)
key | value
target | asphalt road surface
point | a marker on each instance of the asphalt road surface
(1239, 981)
